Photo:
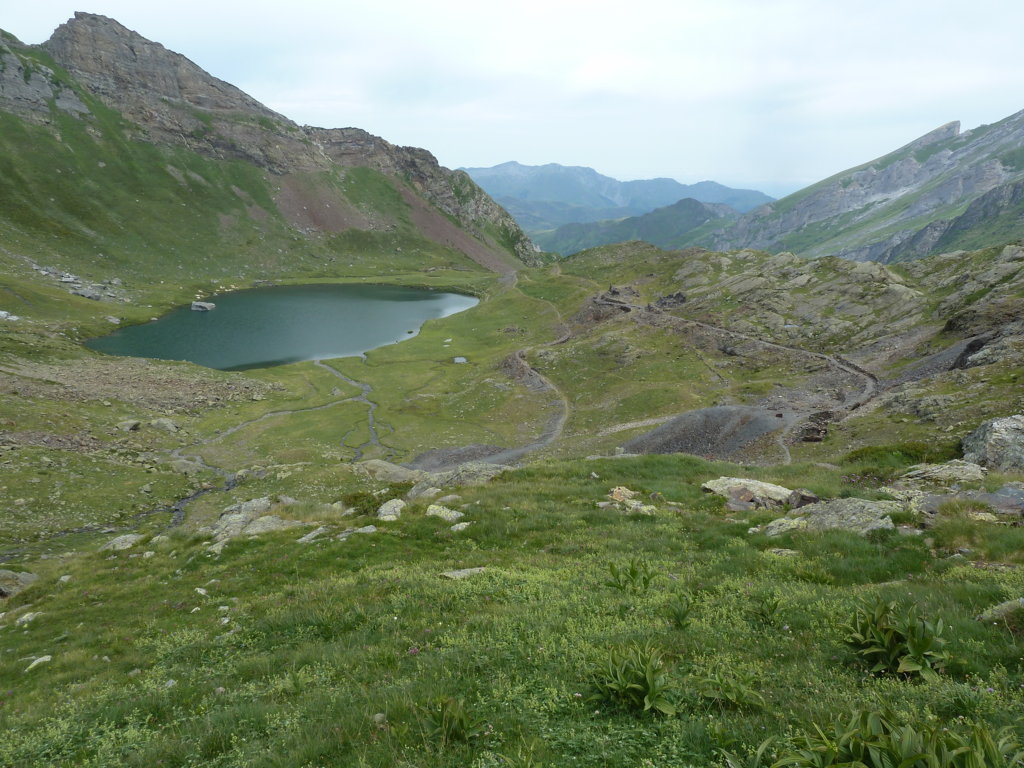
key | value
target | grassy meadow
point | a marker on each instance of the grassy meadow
(361, 653)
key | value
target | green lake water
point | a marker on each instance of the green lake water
(285, 324)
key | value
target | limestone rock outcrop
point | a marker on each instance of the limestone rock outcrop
(997, 444)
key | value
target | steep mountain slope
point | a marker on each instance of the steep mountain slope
(547, 196)
(665, 227)
(945, 190)
(101, 110)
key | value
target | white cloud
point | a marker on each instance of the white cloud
(760, 92)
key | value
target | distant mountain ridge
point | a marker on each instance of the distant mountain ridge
(543, 197)
(944, 191)
(671, 226)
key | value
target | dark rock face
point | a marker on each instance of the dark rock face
(712, 432)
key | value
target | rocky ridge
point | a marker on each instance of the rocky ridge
(167, 99)
(906, 204)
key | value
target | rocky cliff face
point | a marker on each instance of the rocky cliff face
(884, 210)
(28, 87)
(167, 99)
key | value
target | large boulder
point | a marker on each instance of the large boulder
(390, 510)
(857, 515)
(12, 582)
(997, 444)
(754, 492)
(951, 472)
(470, 473)
(386, 472)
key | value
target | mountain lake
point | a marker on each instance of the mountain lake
(262, 327)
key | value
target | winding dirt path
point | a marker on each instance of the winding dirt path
(556, 424)
(869, 382)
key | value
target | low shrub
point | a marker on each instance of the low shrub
(635, 678)
(895, 640)
(876, 740)
(635, 577)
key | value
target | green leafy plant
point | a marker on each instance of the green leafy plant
(447, 720)
(524, 756)
(765, 610)
(728, 689)
(876, 740)
(678, 611)
(635, 678)
(762, 757)
(895, 640)
(635, 577)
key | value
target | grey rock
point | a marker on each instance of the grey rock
(127, 541)
(955, 471)
(165, 424)
(203, 306)
(462, 573)
(418, 492)
(390, 510)
(451, 498)
(88, 293)
(801, 497)
(446, 514)
(312, 535)
(784, 525)
(12, 582)
(997, 444)
(470, 473)
(857, 515)
(386, 472)
(344, 535)
(129, 425)
(999, 612)
(751, 491)
(461, 526)
(236, 519)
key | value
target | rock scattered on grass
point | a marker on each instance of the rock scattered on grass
(121, 543)
(742, 492)
(955, 471)
(12, 582)
(391, 510)
(312, 535)
(997, 444)
(463, 573)
(446, 514)
(1000, 612)
(856, 515)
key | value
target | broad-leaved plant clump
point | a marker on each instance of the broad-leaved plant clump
(894, 640)
(636, 678)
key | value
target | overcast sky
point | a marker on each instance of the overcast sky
(769, 94)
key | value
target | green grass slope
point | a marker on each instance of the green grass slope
(361, 653)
